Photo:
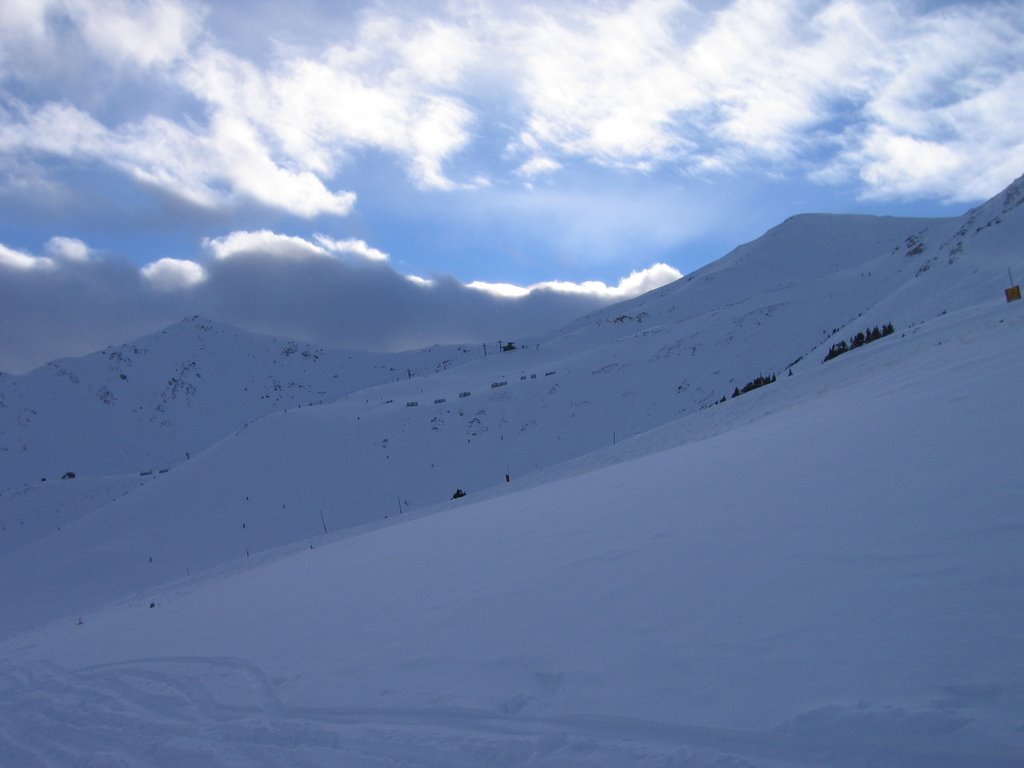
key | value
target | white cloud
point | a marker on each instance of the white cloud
(925, 104)
(262, 243)
(173, 274)
(23, 18)
(653, 82)
(644, 280)
(139, 32)
(265, 242)
(18, 260)
(389, 90)
(538, 165)
(189, 165)
(602, 83)
(74, 307)
(353, 246)
(68, 248)
(505, 290)
(273, 132)
(292, 248)
(944, 119)
(41, 38)
(60, 249)
(900, 100)
(636, 283)
(245, 161)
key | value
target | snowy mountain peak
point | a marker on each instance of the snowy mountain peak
(152, 402)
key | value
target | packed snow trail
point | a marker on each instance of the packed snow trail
(222, 712)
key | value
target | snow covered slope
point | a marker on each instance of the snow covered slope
(823, 572)
(384, 451)
(143, 406)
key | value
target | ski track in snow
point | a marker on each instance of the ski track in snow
(223, 712)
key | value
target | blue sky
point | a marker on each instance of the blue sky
(482, 146)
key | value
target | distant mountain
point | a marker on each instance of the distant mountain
(381, 436)
(148, 405)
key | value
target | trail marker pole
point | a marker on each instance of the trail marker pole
(324, 522)
(1013, 292)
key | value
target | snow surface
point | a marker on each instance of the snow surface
(145, 406)
(824, 571)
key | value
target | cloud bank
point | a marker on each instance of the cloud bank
(334, 293)
(898, 99)
(636, 283)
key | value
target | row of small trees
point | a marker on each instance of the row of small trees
(863, 337)
(760, 381)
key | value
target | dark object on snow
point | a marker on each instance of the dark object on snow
(760, 381)
(459, 493)
(865, 337)
(69, 476)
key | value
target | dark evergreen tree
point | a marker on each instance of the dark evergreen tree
(860, 339)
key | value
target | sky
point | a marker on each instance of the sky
(382, 175)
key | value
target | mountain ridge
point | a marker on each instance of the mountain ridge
(643, 571)
(824, 571)
(151, 394)
(406, 436)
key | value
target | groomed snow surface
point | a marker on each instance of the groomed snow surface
(834, 582)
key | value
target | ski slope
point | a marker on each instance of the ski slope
(835, 582)
(823, 571)
(399, 436)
